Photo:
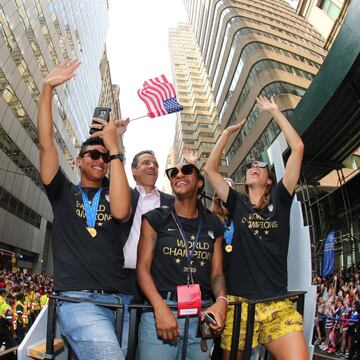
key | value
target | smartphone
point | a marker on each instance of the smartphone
(102, 113)
(209, 318)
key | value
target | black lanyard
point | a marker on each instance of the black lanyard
(186, 241)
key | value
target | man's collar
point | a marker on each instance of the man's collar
(142, 191)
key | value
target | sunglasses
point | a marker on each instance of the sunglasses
(187, 169)
(260, 164)
(96, 154)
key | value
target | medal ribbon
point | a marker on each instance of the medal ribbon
(229, 233)
(183, 235)
(91, 210)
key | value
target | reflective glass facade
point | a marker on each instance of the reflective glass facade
(253, 48)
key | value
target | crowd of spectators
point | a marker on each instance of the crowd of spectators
(336, 323)
(22, 296)
(337, 313)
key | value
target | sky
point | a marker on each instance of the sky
(137, 48)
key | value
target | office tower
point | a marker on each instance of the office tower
(197, 124)
(253, 48)
(34, 37)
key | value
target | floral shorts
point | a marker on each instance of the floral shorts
(273, 320)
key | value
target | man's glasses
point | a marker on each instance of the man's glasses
(96, 154)
(185, 170)
(260, 164)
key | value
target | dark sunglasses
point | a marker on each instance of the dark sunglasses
(96, 154)
(185, 170)
(260, 164)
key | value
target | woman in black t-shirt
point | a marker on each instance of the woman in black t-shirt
(179, 246)
(258, 262)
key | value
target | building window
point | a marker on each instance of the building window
(330, 8)
(18, 208)
(262, 144)
(274, 88)
(18, 157)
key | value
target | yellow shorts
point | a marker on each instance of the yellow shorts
(273, 320)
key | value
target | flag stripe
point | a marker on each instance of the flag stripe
(157, 101)
(149, 96)
(171, 86)
(148, 105)
(159, 87)
(163, 86)
(159, 97)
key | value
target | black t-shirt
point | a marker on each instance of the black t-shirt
(257, 267)
(83, 262)
(170, 264)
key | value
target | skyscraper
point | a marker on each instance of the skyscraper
(253, 48)
(193, 91)
(197, 124)
(34, 37)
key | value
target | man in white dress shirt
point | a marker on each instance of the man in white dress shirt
(144, 197)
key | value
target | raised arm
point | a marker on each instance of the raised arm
(293, 165)
(212, 165)
(119, 191)
(166, 324)
(49, 161)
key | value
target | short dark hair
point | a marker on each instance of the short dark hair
(135, 160)
(90, 142)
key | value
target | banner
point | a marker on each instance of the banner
(329, 252)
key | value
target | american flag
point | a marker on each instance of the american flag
(159, 97)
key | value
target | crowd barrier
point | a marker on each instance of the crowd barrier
(8, 351)
(352, 321)
(135, 310)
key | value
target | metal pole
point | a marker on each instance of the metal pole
(236, 331)
(119, 321)
(185, 338)
(300, 304)
(249, 331)
(50, 329)
(140, 117)
(132, 334)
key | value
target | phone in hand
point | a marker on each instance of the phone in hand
(204, 329)
(210, 318)
(102, 113)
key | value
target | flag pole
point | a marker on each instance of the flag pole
(140, 117)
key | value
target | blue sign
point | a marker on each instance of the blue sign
(329, 252)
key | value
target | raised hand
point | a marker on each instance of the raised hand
(190, 155)
(233, 128)
(264, 104)
(63, 72)
(121, 126)
(108, 131)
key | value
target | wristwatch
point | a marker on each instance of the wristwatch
(119, 156)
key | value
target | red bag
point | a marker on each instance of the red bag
(189, 300)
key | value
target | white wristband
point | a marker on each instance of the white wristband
(222, 298)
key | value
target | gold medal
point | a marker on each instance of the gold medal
(228, 248)
(92, 231)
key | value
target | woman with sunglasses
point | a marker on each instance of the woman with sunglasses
(258, 260)
(179, 245)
